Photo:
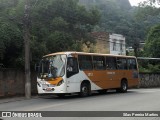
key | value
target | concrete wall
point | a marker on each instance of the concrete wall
(12, 82)
(149, 80)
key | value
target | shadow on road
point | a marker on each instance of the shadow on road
(76, 96)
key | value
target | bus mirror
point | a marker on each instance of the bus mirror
(36, 67)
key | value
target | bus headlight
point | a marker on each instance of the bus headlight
(60, 82)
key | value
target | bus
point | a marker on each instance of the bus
(64, 73)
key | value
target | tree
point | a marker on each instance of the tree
(66, 24)
(152, 46)
(154, 1)
(11, 43)
(56, 25)
(61, 17)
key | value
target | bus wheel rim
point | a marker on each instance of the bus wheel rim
(84, 90)
(124, 86)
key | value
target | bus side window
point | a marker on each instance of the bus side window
(85, 62)
(122, 63)
(111, 63)
(72, 66)
(132, 64)
(99, 62)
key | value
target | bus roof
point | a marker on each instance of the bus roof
(85, 53)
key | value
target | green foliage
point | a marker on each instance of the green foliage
(118, 17)
(143, 13)
(56, 25)
(64, 25)
(61, 25)
(154, 68)
(11, 43)
(59, 41)
(149, 68)
(150, 3)
(152, 46)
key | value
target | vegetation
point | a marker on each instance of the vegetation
(146, 11)
(61, 25)
(56, 25)
(152, 46)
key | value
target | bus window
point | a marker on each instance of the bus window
(132, 64)
(111, 63)
(85, 62)
(99, 62)
(122, 63)
(72, 66)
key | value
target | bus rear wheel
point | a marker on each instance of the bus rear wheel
(85, 90)
(124, 87)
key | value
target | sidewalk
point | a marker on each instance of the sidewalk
(16, 98)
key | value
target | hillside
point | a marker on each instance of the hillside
(116, 16)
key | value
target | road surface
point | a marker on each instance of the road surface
(133, 100)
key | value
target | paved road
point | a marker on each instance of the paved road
(133, 100)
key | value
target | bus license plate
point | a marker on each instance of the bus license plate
(48, 89)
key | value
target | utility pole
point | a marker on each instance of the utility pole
(27, 50)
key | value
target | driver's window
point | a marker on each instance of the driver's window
(72, 66)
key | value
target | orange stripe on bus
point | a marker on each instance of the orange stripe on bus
(54, 81)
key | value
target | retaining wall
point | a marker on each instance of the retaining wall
(12, 82)
(149, 80)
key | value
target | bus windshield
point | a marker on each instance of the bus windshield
(52, 66)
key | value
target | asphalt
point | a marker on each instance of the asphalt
(13, 99)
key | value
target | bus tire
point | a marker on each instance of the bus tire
(124, 86)
(85, 90)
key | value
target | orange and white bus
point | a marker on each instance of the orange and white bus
(78, 72)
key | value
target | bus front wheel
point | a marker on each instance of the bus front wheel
(84, 90)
